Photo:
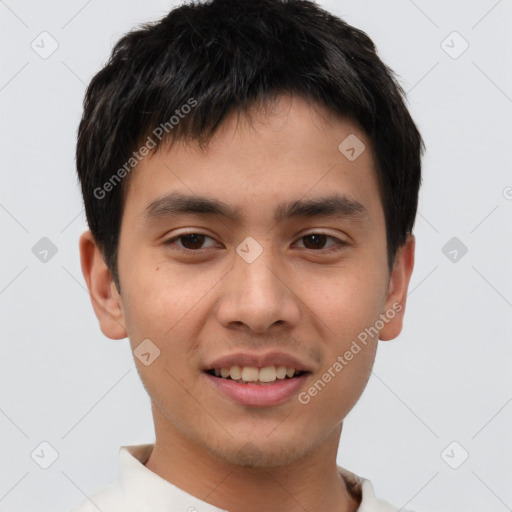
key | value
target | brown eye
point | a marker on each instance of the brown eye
(317, 241)
(191, 242)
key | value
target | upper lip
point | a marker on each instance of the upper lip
(258, 360)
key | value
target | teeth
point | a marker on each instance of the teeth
(281, 372)
(235, 372)
(253, 374)
(267, 374)
(250, 374)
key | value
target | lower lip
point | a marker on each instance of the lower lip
(258, 394)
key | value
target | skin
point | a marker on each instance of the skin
(294, 297)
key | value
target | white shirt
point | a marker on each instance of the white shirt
(138, 489)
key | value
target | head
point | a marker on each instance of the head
(231, 121)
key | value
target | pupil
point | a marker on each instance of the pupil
(320, 240)
(196, 240)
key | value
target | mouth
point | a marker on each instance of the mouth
(267, 375)
(259, 379)
(257, 386)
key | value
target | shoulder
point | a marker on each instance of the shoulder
(363, 490)
(126, 493)
(107, 499)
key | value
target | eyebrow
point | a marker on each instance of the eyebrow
(176, 203)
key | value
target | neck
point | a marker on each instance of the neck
(311, 483)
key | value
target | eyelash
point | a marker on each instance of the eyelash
(341, 244)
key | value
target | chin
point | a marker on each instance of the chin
(262, 454)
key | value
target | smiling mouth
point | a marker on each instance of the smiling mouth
(254, 375)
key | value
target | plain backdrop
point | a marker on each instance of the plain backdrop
(432, 430)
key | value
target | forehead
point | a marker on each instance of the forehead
(290, 150)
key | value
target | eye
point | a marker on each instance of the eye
(316, 241)
(190, 241)
(193, 242)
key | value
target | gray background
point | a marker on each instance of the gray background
(445, 379)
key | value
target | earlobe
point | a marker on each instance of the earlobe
(105, 298)
(394, 308)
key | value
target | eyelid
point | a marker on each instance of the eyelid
(319, 231)
(170, 241)
(340, 242)
(338, 246)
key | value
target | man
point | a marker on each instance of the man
(250, 175)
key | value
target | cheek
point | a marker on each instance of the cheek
(161, 302)
(347, 309)
(348, 302)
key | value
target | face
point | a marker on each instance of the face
(255, 283)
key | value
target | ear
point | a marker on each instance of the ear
(105, 298)
(394, 307)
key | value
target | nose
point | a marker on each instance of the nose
(258, 295)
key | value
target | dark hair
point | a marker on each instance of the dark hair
(226, 55)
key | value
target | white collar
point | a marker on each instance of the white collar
(138, 489)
